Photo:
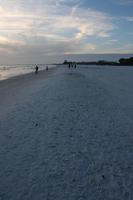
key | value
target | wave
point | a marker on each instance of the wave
(9, 71)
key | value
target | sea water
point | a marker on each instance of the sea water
(8, 71)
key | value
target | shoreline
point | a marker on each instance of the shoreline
(28, 75)
(19, 88)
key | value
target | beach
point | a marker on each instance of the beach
(67, 134)
(9, 71)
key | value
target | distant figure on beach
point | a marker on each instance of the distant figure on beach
(69, 65)
(75, 66)
(47, 68)
(36, 69)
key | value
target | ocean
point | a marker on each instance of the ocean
(8, 71)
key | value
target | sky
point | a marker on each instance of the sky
(38, 30)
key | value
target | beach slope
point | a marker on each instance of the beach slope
(67, 135)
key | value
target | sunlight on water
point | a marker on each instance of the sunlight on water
(15, 70)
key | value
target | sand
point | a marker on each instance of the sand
(67, 135)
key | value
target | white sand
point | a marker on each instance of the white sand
(67, 136)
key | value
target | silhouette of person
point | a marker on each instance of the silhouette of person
(36, 69)
(69, 65)
(75, 66)
(47, 68)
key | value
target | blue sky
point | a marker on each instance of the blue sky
(34, 29)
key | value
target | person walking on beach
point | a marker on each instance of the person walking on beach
(47, 68)
(36, 69)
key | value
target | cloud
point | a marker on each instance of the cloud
(130, 19)
(123, 49)
(124, 18)
(50, 27)
(126, 2)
